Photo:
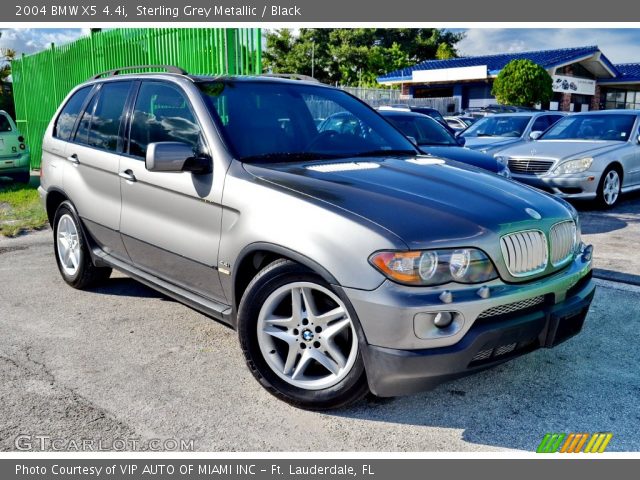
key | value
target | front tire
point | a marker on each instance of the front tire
(71, 251)
(299, 338)
(609, 188)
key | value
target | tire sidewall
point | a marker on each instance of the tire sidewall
(274, 276)
(66, 208)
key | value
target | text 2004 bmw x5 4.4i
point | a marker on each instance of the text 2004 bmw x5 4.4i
(346, 260)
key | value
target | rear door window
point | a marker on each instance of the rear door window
(101, 121)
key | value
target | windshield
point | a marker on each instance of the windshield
(425, 130)
(498, 126)
(592, 127)
(274, 121)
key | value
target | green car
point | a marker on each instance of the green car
(14, 155)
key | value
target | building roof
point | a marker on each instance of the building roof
(626, 73)
(495, 63)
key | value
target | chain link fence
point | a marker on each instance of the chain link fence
(377, 97)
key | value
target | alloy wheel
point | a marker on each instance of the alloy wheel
(611, 187)
(306, 336)
(68, 245)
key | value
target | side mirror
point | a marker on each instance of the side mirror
(412, 140)
(461, 140)
(535, 135)
(175, 157)
(638, 139)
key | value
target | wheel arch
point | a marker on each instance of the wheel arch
(616, 164)
(256, 256)
(54, 198)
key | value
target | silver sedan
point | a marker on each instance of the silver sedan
(591, 155)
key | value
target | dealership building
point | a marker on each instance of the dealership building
(583, 79)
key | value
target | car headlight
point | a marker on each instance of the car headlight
(573, 166)
(505, 172)
(435, 267)
(503, 164)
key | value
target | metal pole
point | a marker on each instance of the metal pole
(313, 51)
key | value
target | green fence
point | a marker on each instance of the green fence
(42, 80)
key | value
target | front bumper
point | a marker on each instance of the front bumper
(393, 372)
(583, 185)
(402, 357)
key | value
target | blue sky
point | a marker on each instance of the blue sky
(619, 45)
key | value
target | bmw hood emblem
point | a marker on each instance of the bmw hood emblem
(533, 214)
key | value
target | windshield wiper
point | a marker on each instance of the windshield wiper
(383, 153)
(287, 157)
(485, 135)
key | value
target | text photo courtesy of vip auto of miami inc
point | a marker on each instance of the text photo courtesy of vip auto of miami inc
(319, 240)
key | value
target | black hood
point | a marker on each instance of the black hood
(425, 201)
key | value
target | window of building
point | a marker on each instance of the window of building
(621, 99)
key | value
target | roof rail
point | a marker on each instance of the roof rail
(292, 76)
(116, 71)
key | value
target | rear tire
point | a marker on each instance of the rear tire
(71, 251)
(299, 338)
(609, 188)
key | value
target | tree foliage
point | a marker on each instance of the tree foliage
(522, 83)
(6, 55)
(354, 56)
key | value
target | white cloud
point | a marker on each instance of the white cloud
(31, 40)
(619, 45)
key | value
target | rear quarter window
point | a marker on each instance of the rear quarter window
(69, 114)
(5, 124)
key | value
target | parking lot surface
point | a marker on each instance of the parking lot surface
(123, 362)
(615, 234)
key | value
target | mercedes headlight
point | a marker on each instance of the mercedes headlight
(435, 267)
(503, 166)
(573, 166)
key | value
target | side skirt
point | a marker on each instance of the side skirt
(218, 311)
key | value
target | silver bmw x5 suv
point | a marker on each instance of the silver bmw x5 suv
(347, 261)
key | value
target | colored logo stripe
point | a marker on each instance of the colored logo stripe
(550, 443)
(574, 442)
(598, 443)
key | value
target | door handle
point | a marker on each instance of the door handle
(73, 158)
(128, 176)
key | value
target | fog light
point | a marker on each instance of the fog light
(442, 319)
(437, 324)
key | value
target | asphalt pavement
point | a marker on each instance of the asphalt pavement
(122, 364)
(615, 234)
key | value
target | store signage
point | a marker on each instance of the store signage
(581, 86)
(478, 72)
